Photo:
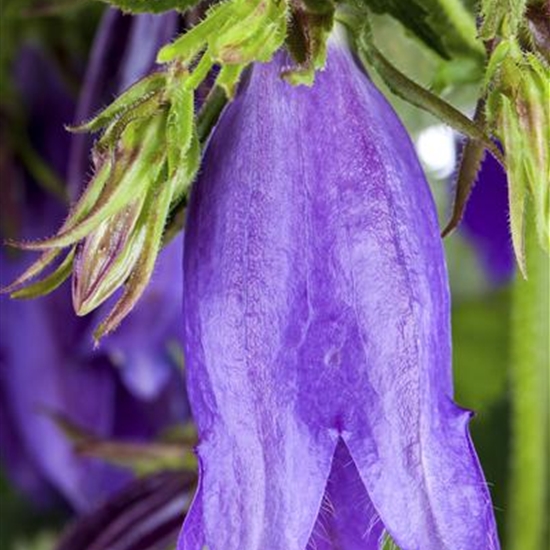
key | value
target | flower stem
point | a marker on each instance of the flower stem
(529, 380)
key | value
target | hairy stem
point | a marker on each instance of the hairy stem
(529, 381)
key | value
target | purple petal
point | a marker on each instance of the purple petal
(485, 221)
(48, 105)
(347, 519)
(316, 308)
(38, 378)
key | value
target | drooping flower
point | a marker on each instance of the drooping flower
(132, 388)
(485, 222)
(317, 331)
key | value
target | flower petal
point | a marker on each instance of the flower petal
(347, 520)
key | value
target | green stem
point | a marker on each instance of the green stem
(529, 380)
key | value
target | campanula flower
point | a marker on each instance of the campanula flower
(317, 332)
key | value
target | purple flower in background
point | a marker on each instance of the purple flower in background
(317, 331)
(131, 388)
(486, 224)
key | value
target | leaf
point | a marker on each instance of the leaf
(418, 96)
(445, 26)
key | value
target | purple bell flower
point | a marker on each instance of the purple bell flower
(317, 331)
(485, 222)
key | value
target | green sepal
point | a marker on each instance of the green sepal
(186, 171)
(82, 207)
(229, 77)
(113, 133)
(141, 458)
(136, 284)
(127, 179)
(136, 94)
(107, 257)
(180, 124)
(518, 85)
(200, 72)
(470, 164)
(256, 38)
(188, 45)
(49, 283)
(501, 18)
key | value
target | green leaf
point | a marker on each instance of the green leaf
(445, 26)
(418, 96)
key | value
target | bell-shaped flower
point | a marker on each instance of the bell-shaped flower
(317, 332)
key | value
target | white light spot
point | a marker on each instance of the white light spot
(436, 147)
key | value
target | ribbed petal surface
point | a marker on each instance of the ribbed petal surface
(317, 310)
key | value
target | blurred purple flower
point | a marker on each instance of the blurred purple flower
(486, 224)
(47, 365)
(317, 331)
